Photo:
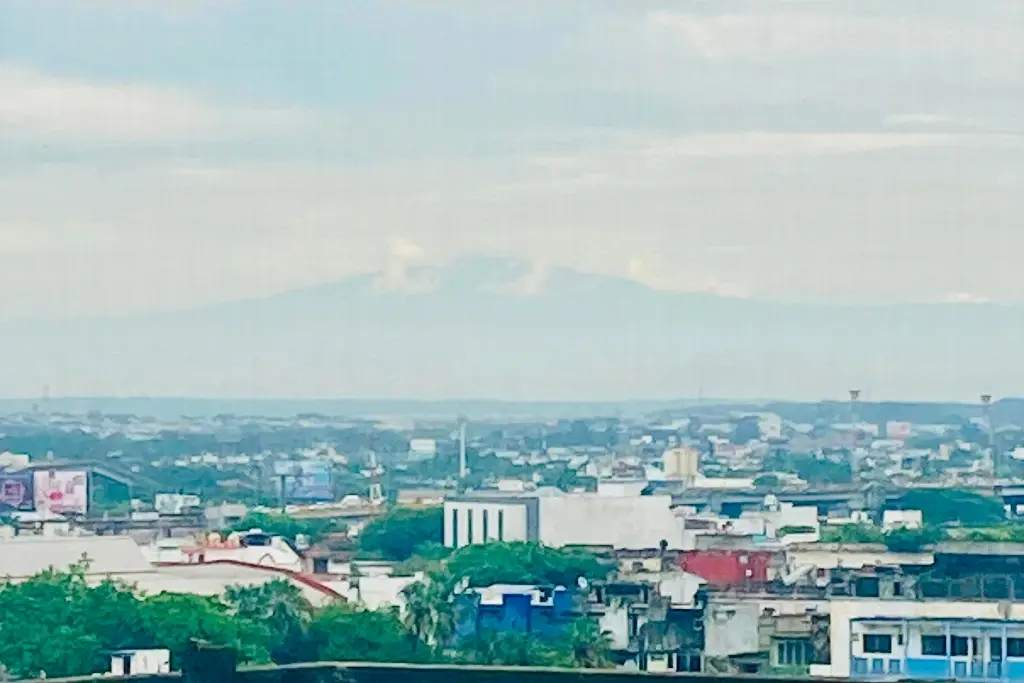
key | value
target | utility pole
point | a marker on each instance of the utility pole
(990, 433)
(854, 430)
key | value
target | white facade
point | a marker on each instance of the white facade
(557, 519)
(476, 522)
(140, 662)
(681, 463)
(633, 522)
(846, 633)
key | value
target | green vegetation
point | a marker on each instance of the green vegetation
(954, 506)
(403, 532)
(316, 529)
(788, 530)
(851, 533)
(274, 622)
(523, 563)
(1000, 533)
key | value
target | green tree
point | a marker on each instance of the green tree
(524, 563)
(510, 648)
(344, 632)
(911, 540)
(400, 533)
(945, 506)
(429, 610)
(286, 526)
(283, 613)
(851, 533)
(585, 646)
(174, 620)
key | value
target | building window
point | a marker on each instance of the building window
(469, 527)
(866, 587)
(793, 652)
(933, 646)
(501, 525)
(995, 648)
(455, 527)
(1015, 647)
(487, 520)
(958, 646)
(877, 644)
(897, 589)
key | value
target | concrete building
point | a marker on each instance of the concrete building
(926, 640)
(559, 519)
(681, 463)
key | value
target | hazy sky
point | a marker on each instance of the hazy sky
(168, 154)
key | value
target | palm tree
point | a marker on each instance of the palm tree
(429, 614)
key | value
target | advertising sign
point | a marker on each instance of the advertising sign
(304, 481)
(61, 492)
(175, 503)
(16, 492)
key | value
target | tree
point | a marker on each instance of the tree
(282, 611)
(524, 563)
(586, 646)
(747, 429)
(344, 632)
(398, 534)
(911, 540)
(851, 533)
(767, 481)
(510, 648)
(430, 610)
(944, 506)
(286, 526)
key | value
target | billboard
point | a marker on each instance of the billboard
(304, 481)
(16, 492)
(175, 503)
(61, 492)
(898, 430)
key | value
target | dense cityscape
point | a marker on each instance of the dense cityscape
(837, 539)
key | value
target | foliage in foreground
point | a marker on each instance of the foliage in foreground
(274, 622)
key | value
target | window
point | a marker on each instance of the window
(995, 648)
(866, 587)
(1015, 647)
(897, 589)
(877, 643)
(469, 526)
(501, 525)
(793, 652)
(958, 646)
(487, 519)
(933, 646)
(455, 527)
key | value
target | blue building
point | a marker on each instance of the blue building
(947, 648)
(542, 611)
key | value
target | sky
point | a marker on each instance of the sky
(169, 155)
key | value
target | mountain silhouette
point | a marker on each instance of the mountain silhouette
(487, 327)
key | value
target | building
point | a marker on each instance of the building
(926, 640)
(562, 519)
(681, 463)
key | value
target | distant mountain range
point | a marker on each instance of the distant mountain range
(494, 328)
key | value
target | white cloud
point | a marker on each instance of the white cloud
(38, 106)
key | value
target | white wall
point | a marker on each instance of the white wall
(623, 523)
(512, 515)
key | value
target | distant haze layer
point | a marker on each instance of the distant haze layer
(495, 328)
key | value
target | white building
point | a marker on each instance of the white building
(559, 519)
(925, 639)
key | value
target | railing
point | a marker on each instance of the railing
(340, 672)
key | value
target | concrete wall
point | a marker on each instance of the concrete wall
(490, 517)
(620, 522)
(731, 629)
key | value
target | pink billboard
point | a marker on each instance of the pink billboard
(61, 492)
